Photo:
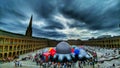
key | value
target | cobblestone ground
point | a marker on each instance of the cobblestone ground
(30, 64)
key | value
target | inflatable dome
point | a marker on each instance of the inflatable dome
(63, 48)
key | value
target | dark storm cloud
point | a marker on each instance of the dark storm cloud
(16, 27)
(12, 9)
(77, 24)
(2, 23)
(13, 12)
(99, 15)
(48, 34)
(52, 25)
(43, 8)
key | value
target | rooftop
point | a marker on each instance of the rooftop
(15, 35)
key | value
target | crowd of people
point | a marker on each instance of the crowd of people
(40, 61)
(105, 55)
(71, 64)
(18, 63)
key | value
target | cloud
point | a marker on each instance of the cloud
(96, 14)
(48, 34)
(60, 19)
(52, 25)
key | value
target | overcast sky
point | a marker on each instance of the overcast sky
(62, 19)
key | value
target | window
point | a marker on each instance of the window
(0, 55)
(10, 48)
(1, 48)
(6, 48)
(1, 40)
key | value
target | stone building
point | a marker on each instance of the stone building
(12, 44)
(106, 42)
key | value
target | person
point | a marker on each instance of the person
(37, 61)
(49, 63)
(61, 65)
(44, 65)
(73, 64)
(41, 63)
(79, 64)
(69, 65)
(55, 65)
(114, 65)
(20, 64)
(64, 65)
(58, 65)
(15, 63)
(98, 65)
(52, 65)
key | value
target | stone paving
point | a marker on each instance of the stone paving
(30, 64)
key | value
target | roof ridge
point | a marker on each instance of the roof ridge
(10, 32)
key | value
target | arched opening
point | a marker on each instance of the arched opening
(17, 52)
(10, 54)
(20, 52)
(5, 55)
(13, 53)
(1, 55)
